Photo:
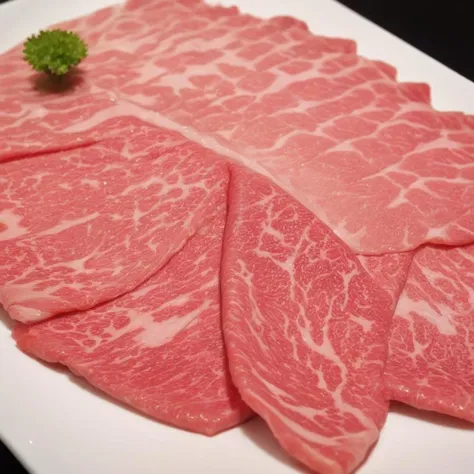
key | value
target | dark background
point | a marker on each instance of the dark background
(443, 31)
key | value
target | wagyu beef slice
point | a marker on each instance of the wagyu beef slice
(147, 56)
(439, 167)
(392, 172)
(80, 227)
(305, 327)
(158, 348)
(431, 358)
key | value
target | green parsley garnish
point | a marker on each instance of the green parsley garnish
(54, 51)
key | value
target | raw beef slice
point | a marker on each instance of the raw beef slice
(427, 186)
(80, 227)
(42, 130)
(427, 367)
(392, 172)
(158, 348)
(305, 327)
(431, 359)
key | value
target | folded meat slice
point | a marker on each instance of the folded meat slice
(389, 271)
(305, 327)
(431, 357)
(80, 227)
(158, 348)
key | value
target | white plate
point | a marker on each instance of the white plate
(57, 425)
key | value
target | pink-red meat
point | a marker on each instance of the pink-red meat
(305, 327)
(104, 209)
(431, 362)
(35, 108)
(158, 348)
(392, 173)
(37, 120)
(80, 227)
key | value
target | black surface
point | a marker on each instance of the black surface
(441, 31)
(9, 463)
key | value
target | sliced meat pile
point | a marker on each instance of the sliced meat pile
(218, 216)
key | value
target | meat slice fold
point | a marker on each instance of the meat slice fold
(113, 191)
(305, 327)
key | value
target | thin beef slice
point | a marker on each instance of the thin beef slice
(158, 348)
(429, 366)
(305, 327)
(80, 227)
(392, 172)
(431, 358)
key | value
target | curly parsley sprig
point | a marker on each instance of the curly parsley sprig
(54, 52)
